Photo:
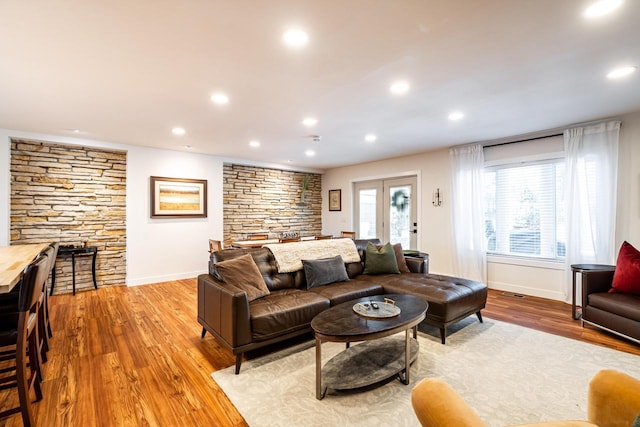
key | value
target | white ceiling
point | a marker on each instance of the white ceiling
(128, 71)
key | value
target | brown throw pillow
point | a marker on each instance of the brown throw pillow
(243, 273)
(402, 263)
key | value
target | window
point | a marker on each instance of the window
(524, 209)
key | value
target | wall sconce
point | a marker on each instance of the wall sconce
(437, 198)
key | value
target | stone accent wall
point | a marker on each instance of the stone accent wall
(270, 200)
(71, 194)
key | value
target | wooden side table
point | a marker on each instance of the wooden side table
(75, 251)
(580, 268)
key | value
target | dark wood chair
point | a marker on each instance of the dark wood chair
(349, 234)
(258, 236)
(324, 237)
(19, 329)
(214, 245)
(45, 332)
(288, 240)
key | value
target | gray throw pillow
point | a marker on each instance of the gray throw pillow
(636, 423)
(380, 261)
(324, 271)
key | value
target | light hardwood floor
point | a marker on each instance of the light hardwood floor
(134, 357)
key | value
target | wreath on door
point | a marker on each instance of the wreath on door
(400, 200)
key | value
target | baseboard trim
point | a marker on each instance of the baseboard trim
(525, 290)
(163, 278)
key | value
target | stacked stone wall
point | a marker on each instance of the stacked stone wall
(71, 195)
(260, 199)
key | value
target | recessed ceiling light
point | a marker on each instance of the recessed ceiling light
(456, 115)
(219, 98)
(400, 87)
(602, 7)
(310, 153)
(621, 72)
(73, 130)
(178, 131)
(310, 121)
(370, 137)
(295, 37)
(254, 143)
(188, 147)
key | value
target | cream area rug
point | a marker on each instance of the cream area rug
(507, 373)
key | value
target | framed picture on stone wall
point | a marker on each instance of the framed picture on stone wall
(335, 200)
(178, 197)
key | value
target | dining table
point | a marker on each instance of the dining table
(13, 260)
(246, 244)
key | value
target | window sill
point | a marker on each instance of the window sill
(526, 262)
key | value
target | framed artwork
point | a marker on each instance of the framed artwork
(335, 200)
(178, 198)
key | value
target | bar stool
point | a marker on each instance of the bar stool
(19, 328)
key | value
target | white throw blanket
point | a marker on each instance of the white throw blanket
(289, 256)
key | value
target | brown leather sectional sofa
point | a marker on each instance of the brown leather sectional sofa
(240, 325)
(615, 312)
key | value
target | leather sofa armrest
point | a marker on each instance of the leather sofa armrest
(418, 264)
(614, 398)
(595, 281)
(223, 309)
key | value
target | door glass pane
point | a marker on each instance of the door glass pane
(367, 211)
(400, 215)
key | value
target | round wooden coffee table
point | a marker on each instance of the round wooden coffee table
(375, 360)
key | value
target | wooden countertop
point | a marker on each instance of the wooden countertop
(13, 260)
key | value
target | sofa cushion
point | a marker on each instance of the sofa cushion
(449, 297)
(243, 273)
(380, 261)
(284, 311)
(624, 305)
(626, 278)
(319, 272)
(345, 291)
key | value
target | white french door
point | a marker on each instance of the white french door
(387, 209)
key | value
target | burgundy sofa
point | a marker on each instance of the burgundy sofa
(240, 325)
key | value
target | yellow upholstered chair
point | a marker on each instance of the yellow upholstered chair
(614, 401)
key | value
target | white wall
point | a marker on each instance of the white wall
(169, 249)
(434, 224)
(157, 249)
(534, 278)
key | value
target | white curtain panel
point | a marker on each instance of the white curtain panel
(591, 188)
(467, 210)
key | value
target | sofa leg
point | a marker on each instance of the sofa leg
(238, 362)
(204, 332)
(479, 316)
(443, 334)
